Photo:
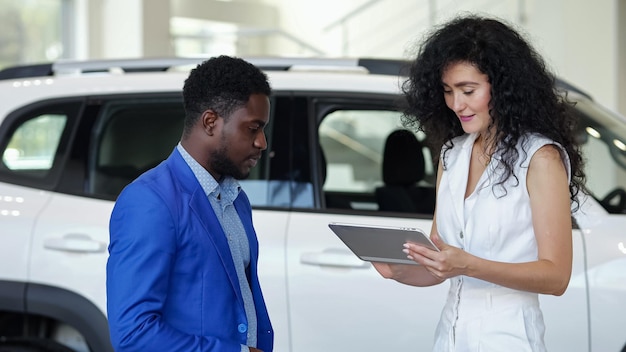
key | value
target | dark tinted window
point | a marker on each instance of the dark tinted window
(132, 135)
(283, 177)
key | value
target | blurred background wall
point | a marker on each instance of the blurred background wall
(584, 42)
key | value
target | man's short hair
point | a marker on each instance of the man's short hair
(222, 84)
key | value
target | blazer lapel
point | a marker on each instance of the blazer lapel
(203, 210)
(201, 207)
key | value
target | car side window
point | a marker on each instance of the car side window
(353, 143)
(34, 143)
(133, 135)
(282, 178)
(34, 140)
(603, 144)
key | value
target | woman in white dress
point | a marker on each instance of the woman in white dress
(509, 173)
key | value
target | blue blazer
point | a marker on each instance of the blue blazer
(171, 280)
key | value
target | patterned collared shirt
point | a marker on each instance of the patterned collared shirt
(221, 195)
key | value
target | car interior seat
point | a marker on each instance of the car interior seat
(403, 168)
(133, 142)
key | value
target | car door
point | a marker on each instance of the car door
(602, 222)
(118, 138)
(338, 302)
(32, 140)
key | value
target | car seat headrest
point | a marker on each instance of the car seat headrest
(403, 159)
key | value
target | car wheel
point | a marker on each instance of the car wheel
(31, 344)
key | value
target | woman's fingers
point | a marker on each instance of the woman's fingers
(436, 262)
(419, 254)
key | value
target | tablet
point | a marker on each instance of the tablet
(380, 243)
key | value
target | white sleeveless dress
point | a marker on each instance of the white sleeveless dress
(478, 315)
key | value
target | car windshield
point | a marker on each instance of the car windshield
(603, 137)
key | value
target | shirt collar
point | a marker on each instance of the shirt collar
(227, 190)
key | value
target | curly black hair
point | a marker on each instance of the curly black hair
(222, 84)
(524, 98)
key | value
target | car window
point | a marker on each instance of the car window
(603, 137)
(282, 178)
(34, 143)
(133, 135)
(353, 144)
(34, 140)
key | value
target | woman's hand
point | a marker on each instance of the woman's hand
(414, 275)
(384, 269)
(408, 274)
(448, 262)
(394, 271)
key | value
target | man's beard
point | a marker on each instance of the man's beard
(222, 165)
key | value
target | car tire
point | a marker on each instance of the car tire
(30, 344)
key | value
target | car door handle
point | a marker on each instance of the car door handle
(75, 242)
(334, 257)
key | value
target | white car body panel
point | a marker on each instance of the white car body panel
(369, 314)
(19, 209)
(72, 230)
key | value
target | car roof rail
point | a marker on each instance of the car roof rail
(23, 71)
(396, 67)
(371, 65)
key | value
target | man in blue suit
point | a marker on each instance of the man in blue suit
(182, 268)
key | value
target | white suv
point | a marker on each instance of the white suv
(73, 134)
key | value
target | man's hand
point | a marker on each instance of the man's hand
(252, 349)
